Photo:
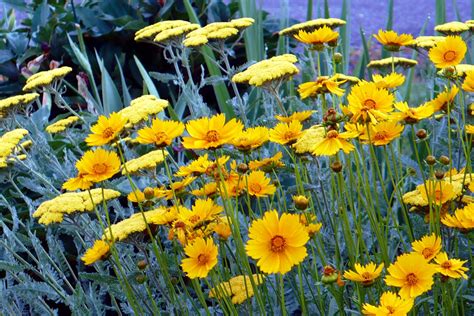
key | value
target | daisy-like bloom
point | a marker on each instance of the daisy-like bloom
(468, 84)
(449, 52)
(312, 25)
(296, 116)
(238, 288)
(428, 246)
(367, 102)
(98, 165)
(382, 133)
(106, 129)
(444, 100)
(452, 268)
(333, 142)
(463, 218)
(321, 85)
(397, 61)
(45, 78)
(222, 229)
(268, 164)
(452, 28)
(161, 133)
(201, 165)
(208, 190)
(61, 125)
(257, 184)
(286, 133)
(412, 115)
(318, 37)
(202, 211)
(392, 41)
(136, 196)
(390, 305)
(99, 251)
(250, 139)
(389, 81)
(77, 183)
(437, 192)
(277, 243)
(366, 274)
(201, 258)
(310, 223)
(469, 128)
(211, 133)
(412, 274)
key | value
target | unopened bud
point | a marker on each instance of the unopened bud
(149, 193)
(142, 264)
(336, 166)
(439, 174)
(140, 278)
(242, 168)
(338, 58)
(421, 134)
(431, 160)
(444, 160)
(301, 202)
(329, 275)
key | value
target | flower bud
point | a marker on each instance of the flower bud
(431, 160)
(242, 168)
(421, 134)
(336, 166)
(140, 278)
(301, 202)
(142, 264)
(338, 58)
(149, 193)
(329, 275)
(444, 160)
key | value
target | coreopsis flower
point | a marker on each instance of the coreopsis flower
(449, 52)
(208, 190)
(367, 102)
(469, 129)
(97, 252)
(238, 288)
(77, 183)
(412, 115)
(389, 81)
(222, 229)
(468, 84)
(444, 100)
(296, 116)
(452, 28)
(310, 223)
(437, 192)
(428, 246)
(136, 196)
(366, 274)
(257, 184)
(452, 268)
(267, 164)
(250, 139)
(278, 243)
(202, 211)
(412, 274)
(201, 165)
(390, 305)
(392, 41)
(311, 25)
(98, 165)
(389, 61)
(463, 219)
(175, 188)
(321, 85)
(106, 129)
(286, 133)
(61, 125)
(201, 258)
(210, 133)
(161, 133)
(333, 142)
(382, 133)
(318, 37)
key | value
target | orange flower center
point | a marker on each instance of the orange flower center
(108, 132)
(212, 136)
(203, 258)
(438, 195)
(160, 137)
(391, 309)
(380, 135)
(411, 279)
(332, 134)
(278, 243)
(427, 252)
(289, 135)
(370, 104)
(255, 187)
(450, 55)
(366, 275)
(99, 168)
(446, 265)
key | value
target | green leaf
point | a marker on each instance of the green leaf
(146, 78)
(125, 93)
(110, 96)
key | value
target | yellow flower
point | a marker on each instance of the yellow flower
(10, 140)
(257, 184)
(106, 129)
(463, 219)
(452, 268)
(412, 274)
(211, 133)
(469, 128)
(437, 192)
(390, 305)
(238, 288)
(389, 81)
(216, 31)
(98, 251)
(412, 115)
(296, 116)
(136, 196)
(468, 84)
(251, 138)
(98, 165)
(449, 52)
(310, 138)
(286, 133)
(428, 246)
(312, 25)
(387, 62)
(141, 108)
(318, 37)
(444, 101)
(364, 274)
(146, 161)
(61, 125)
(452, 28)
(45, 78)
(15, 102)
(332, 143)
(310, 223)
(202, 211)
(383, 133)
(267, 164)
(77, 183)
(426, 42)
(201, 165)
(175, 33)
(149, 32)
(222, 229)
(392, 41)
(202, 257)
(277, 243)
(161, 133)
(322, 85)
(367, 102)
